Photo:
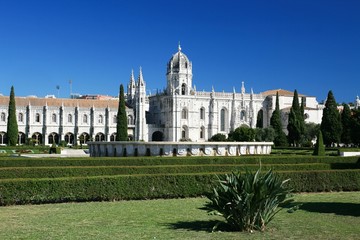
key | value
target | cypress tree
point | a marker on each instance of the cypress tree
(275, 122)
(259, 119)
(346, 123)
(12, 126)
(319, 147)
(295, 123)
(331, 121)
(355, 133)
(121, 125)
(302, 116)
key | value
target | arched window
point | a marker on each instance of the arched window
(37, 117)
(85, 118)
(222, 120)
(70, 118)
(113, 137)
(53, 118)
(202, 113)
(130, 120)
(242, 116)
(184, 113)
(101, 119)
(3, 117)
(115, 119)
(202, 132)
(20, 117)
(184, 132)
(183, 89)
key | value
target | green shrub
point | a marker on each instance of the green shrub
(151, 161)
(125, 187)
(319, 146)
(248, 201)
(84, 171)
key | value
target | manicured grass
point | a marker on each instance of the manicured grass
(321, 216)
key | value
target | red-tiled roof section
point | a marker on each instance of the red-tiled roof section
(57, 102)
(281, 92)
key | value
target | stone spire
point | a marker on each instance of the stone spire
(132, 79)
(242, 87)
(140, 78)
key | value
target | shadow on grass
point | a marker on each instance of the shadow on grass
(346, 209)
(201, 226)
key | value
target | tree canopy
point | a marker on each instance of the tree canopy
(12, 126)
(121, 124)
(296, 121)
(331, 123)
(275, 123)
(347, 124)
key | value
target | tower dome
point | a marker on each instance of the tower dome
(179, 74)
(179, 61)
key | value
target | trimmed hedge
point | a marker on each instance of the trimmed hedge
(151, 161)
(83, 171)
(107, 188)
(24, 180)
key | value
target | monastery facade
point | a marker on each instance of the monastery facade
(180, 113)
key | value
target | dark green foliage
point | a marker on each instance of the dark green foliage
(242, 134)
(264, 134)
(347, 124)
(218, 138)
(9, 162)
(331, 123)
(260, 119)
(50, 180)
(296, 121)
(311, 131)
(121, 125)
(302, 115)
(275, 122)
(87, 171)
(248, 201)
(355, 133)
(105, 188)
(319, 146)
(12, 126)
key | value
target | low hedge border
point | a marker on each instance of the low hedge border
(83, 171)
(146, 161)
(105, 188)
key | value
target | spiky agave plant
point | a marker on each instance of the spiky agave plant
(248, 201)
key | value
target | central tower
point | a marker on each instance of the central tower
(179, 74)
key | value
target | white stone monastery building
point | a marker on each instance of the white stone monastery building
(179, 113)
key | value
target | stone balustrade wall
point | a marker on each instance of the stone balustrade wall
(179, 149)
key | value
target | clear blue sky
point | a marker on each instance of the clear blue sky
(308, 45)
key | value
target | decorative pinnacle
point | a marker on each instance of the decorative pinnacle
(179, 47)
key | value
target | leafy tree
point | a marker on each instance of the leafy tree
(12, 126)
(311, 131)
(265, 134)
(355, 133)
(242, 134)
(218, 138)
(275, 123)
(331, 122)
(248, 201)
(302, 116)
(121, 124)
(296, 121)
(319, 146)
(260, 119)
(347, 124)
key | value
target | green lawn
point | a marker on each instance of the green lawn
(322, 216)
